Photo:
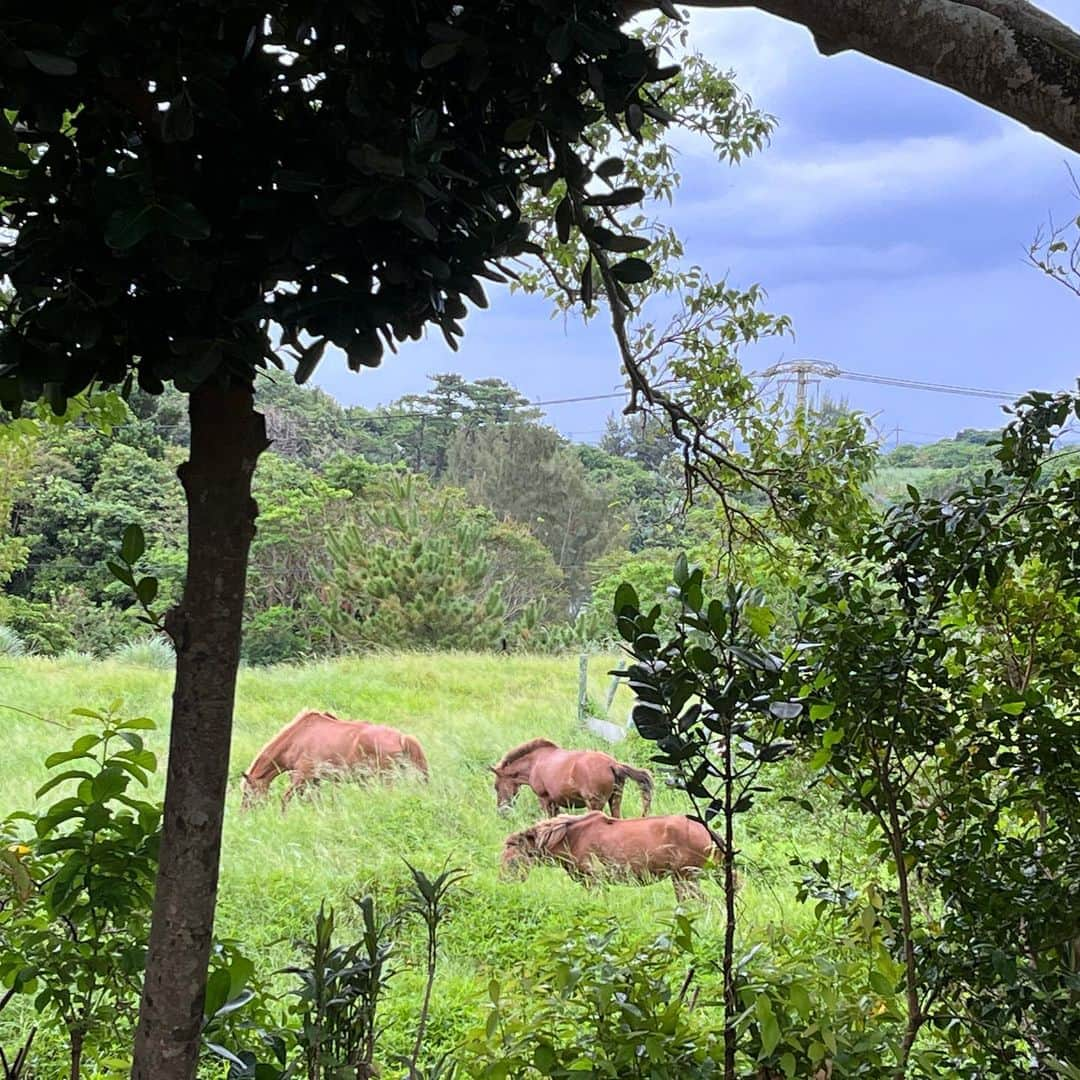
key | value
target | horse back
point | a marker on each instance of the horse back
(573, 772)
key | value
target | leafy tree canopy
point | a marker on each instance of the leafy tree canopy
(151, 152)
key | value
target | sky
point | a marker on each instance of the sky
(889, 218)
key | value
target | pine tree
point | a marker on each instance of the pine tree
(413, 574)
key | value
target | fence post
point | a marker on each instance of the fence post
(583, 686)
(612, 688)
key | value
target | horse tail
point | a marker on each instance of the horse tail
(415, 753)
(641, 777)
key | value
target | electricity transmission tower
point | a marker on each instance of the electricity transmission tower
(802, 373)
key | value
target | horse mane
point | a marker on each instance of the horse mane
(544, 835)
(284, 734)
(525, 748)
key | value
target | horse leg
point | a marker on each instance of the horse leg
(686, 888)
(615, 802)
(297, 780)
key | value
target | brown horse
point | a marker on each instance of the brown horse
(593, 845)
(567, 778)
(315, 744)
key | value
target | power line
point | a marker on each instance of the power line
(937, 388)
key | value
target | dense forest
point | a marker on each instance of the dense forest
(451, 519)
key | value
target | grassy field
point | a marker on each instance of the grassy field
(352, 839)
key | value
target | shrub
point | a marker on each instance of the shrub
(10, 643)
(153, 652)
(603, 1006)
(76, 895)
(274, 635)
(40, 627)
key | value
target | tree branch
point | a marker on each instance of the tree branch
(1006, 54)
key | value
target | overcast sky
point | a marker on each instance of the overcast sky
(889, 218)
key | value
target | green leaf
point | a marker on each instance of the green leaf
(632, 271)
(134, 544)
(787, 1063)
(626, 597)
(125, 228)
(822, 711)
(609, 168)
(882, 984)
(183, 220)
(69, 774)
(544, 1058)
(121, 573)
(681, 573)
(761, 619)
(50, 63)
(140, 723)
(1013, 708)
(439, 54)
(800, 1000)
(563, 219)
(146, 590)
(111, 781)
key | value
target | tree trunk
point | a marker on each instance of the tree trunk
(731, 1004)
(227, 437)
(75, 1042)
(1007, 54)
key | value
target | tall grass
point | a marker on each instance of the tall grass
(11, 645)
(352, 838)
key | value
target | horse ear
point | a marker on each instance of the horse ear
(492, 768)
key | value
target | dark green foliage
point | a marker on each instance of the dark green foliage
(74, 924)
(151, 156)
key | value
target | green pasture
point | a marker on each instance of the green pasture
(352, 839)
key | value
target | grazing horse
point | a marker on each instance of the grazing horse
(567, 778)
(593, 845)
(314, 744)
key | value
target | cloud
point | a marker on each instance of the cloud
(766, 54)
(785, 191)
(798, 263)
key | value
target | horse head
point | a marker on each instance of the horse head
(250, 792)
(533, 845)
(518, 855)
(506, 787)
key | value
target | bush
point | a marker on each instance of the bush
(153, 652)
(39, 626)
(10, 642)
(274, 635)
(603, 1006)
(77, 888)
(97, 629)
